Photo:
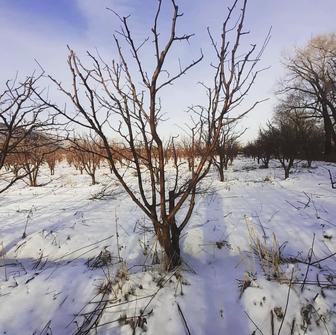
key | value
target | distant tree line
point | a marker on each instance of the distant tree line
(304, 122)
(288, 137)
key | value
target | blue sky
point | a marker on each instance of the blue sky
(41, 29)
(60, 11)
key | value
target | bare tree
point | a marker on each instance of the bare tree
(290, 136)
(86, 155)
(311, 80)
(227, 146)
(54, 156)
(31, 156)
(286, 144)
(22, 116)
(309, 135)
(108, 98)
(252, 149)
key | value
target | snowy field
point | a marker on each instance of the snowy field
(258, 257)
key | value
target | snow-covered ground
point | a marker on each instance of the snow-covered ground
(257, 255)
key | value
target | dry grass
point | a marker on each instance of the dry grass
(269, 255)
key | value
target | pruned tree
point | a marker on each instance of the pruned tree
(309, 135)
(286, 144)
(265, 145)
(108, 99)
(251, 149)
(54, 156)
(86, 155)
(32, 153)
(313, 144)
(227, 146)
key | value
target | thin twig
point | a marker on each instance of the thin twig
(254, 323)
(184, 320)
(287, 301)
(310, 254)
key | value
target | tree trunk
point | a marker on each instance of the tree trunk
(189, 164)
(33, 176)
(31, 180)
(328, 135)
(171, 244)
(35, 173)
(288, 167)
(287, 172)
(170, 239)
(16, 171)
(221, 167)
(221, 174)
(265, 161)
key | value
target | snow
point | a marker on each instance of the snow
(56, 279)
